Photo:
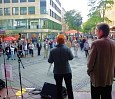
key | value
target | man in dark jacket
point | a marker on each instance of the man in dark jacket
(39, 46)
(60, 55)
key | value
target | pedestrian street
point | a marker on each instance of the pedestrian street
(35, 72)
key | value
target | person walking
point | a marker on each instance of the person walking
(46, 48)
(68, 43)
(31, 48)
(86, 48)
(1, 48)
(8, 51)
(60, 56)
(76, 46)
(101, 62)
(25, 48)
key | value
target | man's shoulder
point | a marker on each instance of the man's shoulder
(98, 41)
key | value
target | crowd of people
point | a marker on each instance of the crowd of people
(25, 48)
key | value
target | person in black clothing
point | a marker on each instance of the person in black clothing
(8, 51)
(39, 46)
(0, 48)
(60, 56)
(20, 53)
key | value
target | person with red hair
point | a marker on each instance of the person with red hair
(60, 56)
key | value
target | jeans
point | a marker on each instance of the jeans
(68, 81)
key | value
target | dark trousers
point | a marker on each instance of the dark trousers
(101, 92)
(39, 49)
(68, 81)
(31, 52)
(86, 53)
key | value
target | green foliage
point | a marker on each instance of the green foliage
(99, 6)
(91, 22)
(97, 13)
(73, 19)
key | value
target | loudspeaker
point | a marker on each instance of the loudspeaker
(49, 91)
(2, 84)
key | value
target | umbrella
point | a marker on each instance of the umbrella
(9, 38)
(71, 31)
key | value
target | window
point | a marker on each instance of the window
(22, 0)
(42, 3)
(15, 11)
(6, 1)
(31, 10)
(42, 7)
(50, 2)
(21, 23)
(23, 10)
(43, 10)
(50, 12)
(6, 11)
(0, 1)
(1, 12)
(14, 1)
(31, 0)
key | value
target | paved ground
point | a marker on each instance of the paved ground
(35, 73)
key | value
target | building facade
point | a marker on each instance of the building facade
(110, 14)
(41, 18)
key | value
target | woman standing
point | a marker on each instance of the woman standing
(61, 55)
(31, 47)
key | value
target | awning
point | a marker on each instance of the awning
(71, 32)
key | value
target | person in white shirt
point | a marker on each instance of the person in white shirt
(31, 47)
(76, 46)
(12, 47)
(25, 47)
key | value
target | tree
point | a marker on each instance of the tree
(100, 6)
(97, 13)
(103, 6)
(73, 19)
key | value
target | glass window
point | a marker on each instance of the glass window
(15, 11)
(42, 7)
(6, 11)
(6, 1)
(23, 10)
(14, 1)
(21, 23)
(31, 10)
(42, 3)
(1, 12)
(22, 0)
(43, 10)
(31, 0)
(50, 2)
(0, 1)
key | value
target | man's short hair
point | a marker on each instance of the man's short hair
(104, 27)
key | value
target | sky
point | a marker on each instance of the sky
(78, 5)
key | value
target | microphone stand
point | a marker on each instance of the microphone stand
(20, 62)
(5, 74)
